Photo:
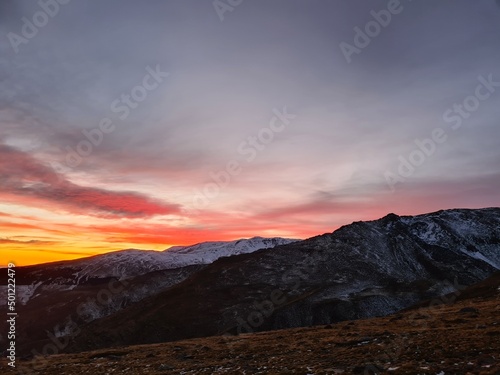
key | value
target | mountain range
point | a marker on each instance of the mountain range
(50, 294)
(361, 270)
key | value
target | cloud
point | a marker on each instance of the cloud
(45, 227)
(30, 242)
(26, 180)
(325, 170)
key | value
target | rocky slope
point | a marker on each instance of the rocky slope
(361, 270)
(455, 334)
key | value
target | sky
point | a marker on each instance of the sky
(148, 124)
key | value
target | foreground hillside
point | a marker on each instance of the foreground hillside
(455, 334)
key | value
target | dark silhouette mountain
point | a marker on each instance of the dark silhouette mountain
(362, 270)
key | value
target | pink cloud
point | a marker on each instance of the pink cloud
(25, 180)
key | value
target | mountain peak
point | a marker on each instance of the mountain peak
(391, 217)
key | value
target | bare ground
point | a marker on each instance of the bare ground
(463, 338)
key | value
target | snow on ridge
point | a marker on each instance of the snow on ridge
(466, 231)
(131, 262)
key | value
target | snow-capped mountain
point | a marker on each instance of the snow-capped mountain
(129, 263)
(54, 295)
(362, 270)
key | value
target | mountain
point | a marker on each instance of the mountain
(129, 263)
(454, 334)
(51, 297)
(362, 270)
(125, 264)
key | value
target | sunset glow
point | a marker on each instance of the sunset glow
(172, 125)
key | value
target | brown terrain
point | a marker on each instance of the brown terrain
(455, 334)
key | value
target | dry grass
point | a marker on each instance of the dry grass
(443, 339)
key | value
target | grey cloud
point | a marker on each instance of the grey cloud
(227, 77)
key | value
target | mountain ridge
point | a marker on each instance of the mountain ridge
(51, 297)
(361, 270)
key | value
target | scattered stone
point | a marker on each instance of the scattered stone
(164, 367)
